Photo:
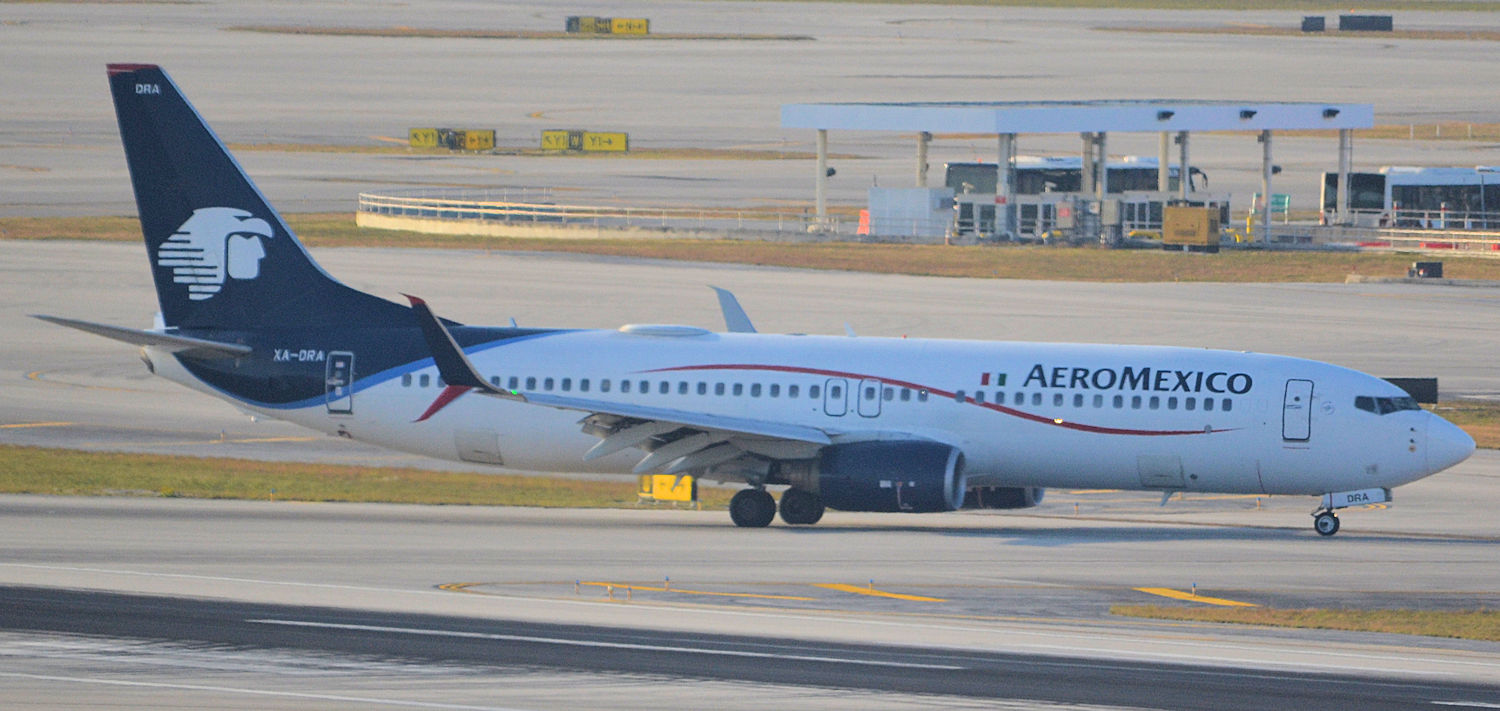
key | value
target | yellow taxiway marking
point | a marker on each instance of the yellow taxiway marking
(37, 376)
(876, 593)
(22, 425)
(1180, 595)
(758, 596)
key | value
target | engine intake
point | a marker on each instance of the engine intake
(914, 477)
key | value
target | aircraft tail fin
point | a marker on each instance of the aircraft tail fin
(222, 258)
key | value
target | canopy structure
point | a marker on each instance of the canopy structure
(1094, 120)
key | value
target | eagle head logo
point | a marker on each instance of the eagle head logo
(215, 243)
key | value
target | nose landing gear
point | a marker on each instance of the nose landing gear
(1326, 523)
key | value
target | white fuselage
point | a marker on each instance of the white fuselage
(1023, 414)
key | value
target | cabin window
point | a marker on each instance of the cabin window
(958, 396)
(870, 392)
(791, 391)
(567, 385)
(775, 390)
(1172, 403)
(921, 396)
(547, 384)
(1208, 404)
(1057, 399)
(1036, 398)
(531, 383)
(424, 380)
(835, 391)
(905, 394)
(755, 390)
(888, 394)
(604, 385)
(583, 385)
(1135, 402)
(664, 388)
(682, 388)
(739, 389)
(814, 391)
(624, 386)
(406, 380)
(702, 388)
(1119, 401)
(718, 388)
(1154, 403)
(645, 387)
(495, 380)
(515, 382)
(1190, 403)
(1078, 400)
(979, 396)
(1020, 399)
(1227, 404)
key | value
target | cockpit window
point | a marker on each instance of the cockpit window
(1385, 405)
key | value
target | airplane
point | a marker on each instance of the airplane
(847, 423)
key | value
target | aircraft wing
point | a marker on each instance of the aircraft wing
(675, 441)
(181, 345)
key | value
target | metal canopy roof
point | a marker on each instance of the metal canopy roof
(1078, 116)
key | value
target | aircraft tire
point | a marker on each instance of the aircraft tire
(1326, 523)
(752, 508)
(801, 508)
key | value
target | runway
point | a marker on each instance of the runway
(464, 647)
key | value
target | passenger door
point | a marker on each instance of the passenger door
(869, 398)
(1296, 411)
(835, 397)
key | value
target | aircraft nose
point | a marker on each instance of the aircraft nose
(1447, 445)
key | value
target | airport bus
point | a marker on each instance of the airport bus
(1044, 182)
(1421, 198)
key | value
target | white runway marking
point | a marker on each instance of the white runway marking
(255, 692)
(609, 645)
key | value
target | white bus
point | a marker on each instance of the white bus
(1421, 198)
(1044, 181)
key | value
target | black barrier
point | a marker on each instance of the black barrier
(1423, 390)
(1366, 23)
(1426, 270)
(1313, 23)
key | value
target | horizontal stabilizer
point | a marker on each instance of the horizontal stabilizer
(185, 346)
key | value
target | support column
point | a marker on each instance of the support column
(1164, 162)
(1005, 186)
(1102, 163)
(1086, 168)
(820, 194)
(1265, 187)
(1184, 177)
(924, 139)
(1346, 165)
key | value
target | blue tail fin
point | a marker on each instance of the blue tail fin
(221, 256)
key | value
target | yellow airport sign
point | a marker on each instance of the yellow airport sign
(667, 487)
(629, 26)
(479, 139)
(608, 142)
(422, 137)
(561, 140)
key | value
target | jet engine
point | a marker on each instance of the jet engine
(914, 477)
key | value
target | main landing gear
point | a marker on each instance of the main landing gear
(755, 508)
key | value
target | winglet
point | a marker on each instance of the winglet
(452, 364)
(735, 318)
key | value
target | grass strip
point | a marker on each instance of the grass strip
(984, 262)
(1274, 31)
(1479, 418)
(435, 33)
(398, 147)
(1456, 624)
(36, 470)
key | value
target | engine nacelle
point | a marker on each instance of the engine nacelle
(914, 477)
(1003, 497)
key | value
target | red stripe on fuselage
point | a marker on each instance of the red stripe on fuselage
(448, 395)
(1095, 429)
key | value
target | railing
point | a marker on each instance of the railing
(1425, 219)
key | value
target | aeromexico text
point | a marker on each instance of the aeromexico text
(1162, 380)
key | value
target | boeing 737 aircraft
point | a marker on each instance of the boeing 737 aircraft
(854, 424)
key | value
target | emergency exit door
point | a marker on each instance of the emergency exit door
(1296, 411)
